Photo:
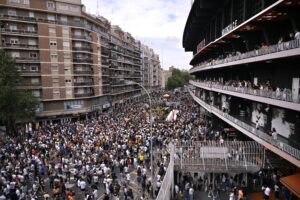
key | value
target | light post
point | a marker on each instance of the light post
(151, 135)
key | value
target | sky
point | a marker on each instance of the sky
(157, 23)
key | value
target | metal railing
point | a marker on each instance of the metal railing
(254, 53)
(89, 49)
(83, 60)
(26, 46)
(83, 72)
(211, 156)
(18, 31)
(260, 134)
(83, 95)
(166, 189)
(285, 95)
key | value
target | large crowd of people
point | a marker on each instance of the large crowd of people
(107, 157)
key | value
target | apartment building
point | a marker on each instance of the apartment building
(245, 53)
(151, 68)
(72, 61)
(125, 65)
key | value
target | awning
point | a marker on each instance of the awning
(292, 183)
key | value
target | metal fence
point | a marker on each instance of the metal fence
(285, 95)
(277, 143)
(167, 186)
(259, 52)
(212, 156)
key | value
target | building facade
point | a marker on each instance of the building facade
(151, 68)
(245, 53)
(74, 62)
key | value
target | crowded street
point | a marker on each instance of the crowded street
(107, 157)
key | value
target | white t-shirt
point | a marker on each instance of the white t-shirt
(267, 191)
(82, 185)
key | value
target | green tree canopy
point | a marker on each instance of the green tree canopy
(178, 79)
(15, 105)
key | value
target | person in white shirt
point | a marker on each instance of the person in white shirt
(191, 193)
(95, 193)
(267, 193)
(82, 185)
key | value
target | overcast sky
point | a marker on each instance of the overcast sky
(156, 23)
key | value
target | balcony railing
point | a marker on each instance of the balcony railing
(84, 95)
(5, 30)
(83, 72)
(260, 134)
(69, 23)
(89, 49)
(82, 60)
(263, 51)
(26, 46)
(27, 59)
(85, 83)
(285, 95)
(83, 37)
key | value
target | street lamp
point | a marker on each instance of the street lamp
(151, 135)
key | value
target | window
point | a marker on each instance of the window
(56, 93)
(75, 8)
(64, 18)
(53, 43)
(33, 55)
(35, 80)
(12, 13)
(14, 41)
(67, 56)
(51, 17)
(66, 43)
(13, 27)
(31, 14)
(63, 7)
(52, 30)
(26, 2)
(31, 29)
(36, 93)
(65, 31)
(55, 80)
(50, 5)
(15, 54)
(31, 42)
(54, 68)
(77, 44)
(68, 81)
(18, 68)
(34, 68)
(53, 55)
(77, 20)
(77, 33)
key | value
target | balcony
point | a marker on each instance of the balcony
(22, 32)
(27, 59)
(83, 60)
(281, 148)
(20, 46)
(83, 72)
(89, 49)
(30, 73)
(77, 95)
(84, 83)
(282, 99)
(275, 51)
(83, 37)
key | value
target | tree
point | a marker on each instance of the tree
(178, 79)
(15, 105)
